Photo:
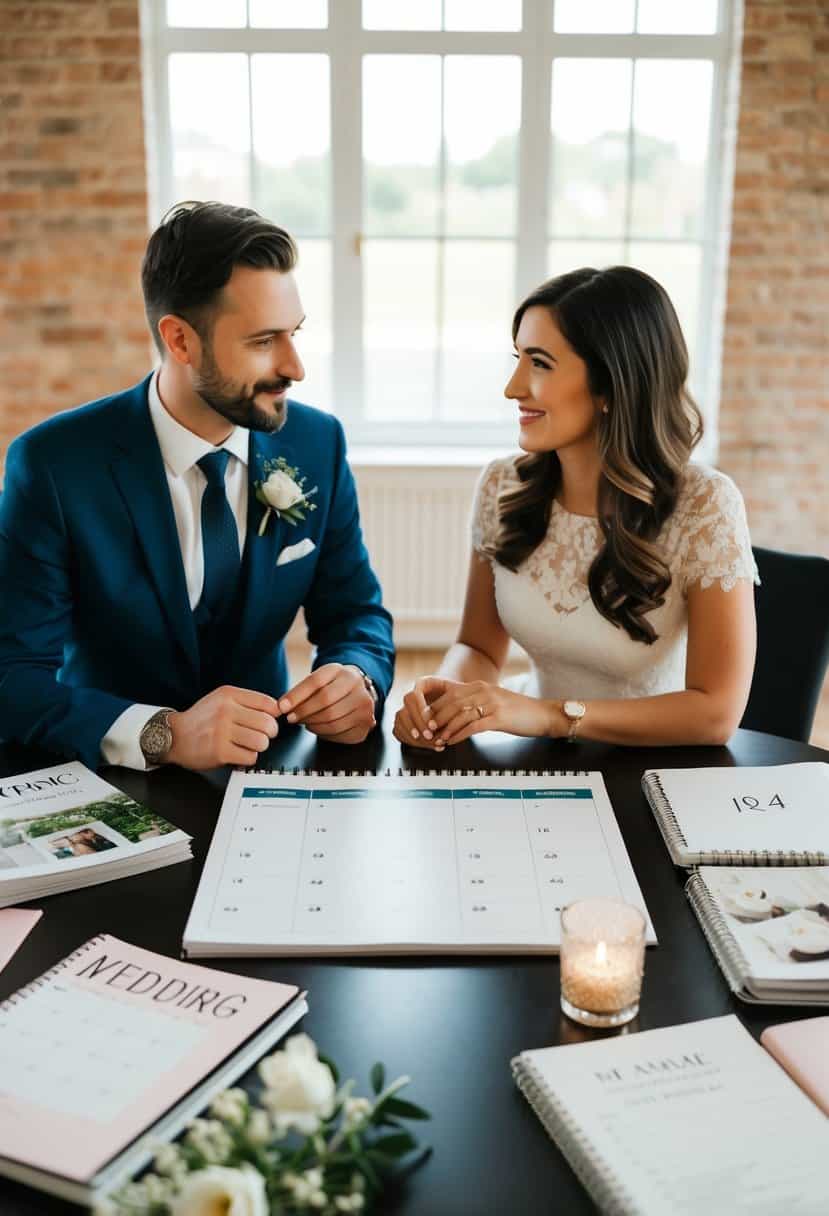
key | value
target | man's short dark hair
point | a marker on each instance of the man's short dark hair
(191, 255)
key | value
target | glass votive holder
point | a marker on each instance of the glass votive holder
(602, 958)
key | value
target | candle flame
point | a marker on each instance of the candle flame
(601, 954)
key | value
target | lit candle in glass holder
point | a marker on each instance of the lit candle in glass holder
(602, 957)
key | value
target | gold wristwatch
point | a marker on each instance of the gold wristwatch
(156, 738)
(573, 711)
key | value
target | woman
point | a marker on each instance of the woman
(624, 571)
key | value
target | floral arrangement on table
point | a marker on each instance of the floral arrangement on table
(308, 1144)
(282, 492)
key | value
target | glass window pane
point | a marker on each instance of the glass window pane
(593, 16)
(293, 159)
(482, 15)
(400, 328)
(482, 120)
(590, 117)
(677, 17)
(314, 341)
(563, 256)
(478, 303)
(227, 14)
(401, 144)
(289, 14)
(401, 14)
(671, 112)
(677, 267)
(209, 121)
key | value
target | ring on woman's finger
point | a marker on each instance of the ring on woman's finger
(466, 708)
(481, 711)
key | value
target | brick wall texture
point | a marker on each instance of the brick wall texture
(73, 206)
(73, 223)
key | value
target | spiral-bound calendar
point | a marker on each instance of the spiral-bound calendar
(432, 863)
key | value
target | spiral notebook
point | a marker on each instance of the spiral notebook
(778, 815)
(686, 1119)
(112, 1051)
(367, 863)
(768, 928)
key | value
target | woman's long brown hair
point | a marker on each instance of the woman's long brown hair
(623, 325)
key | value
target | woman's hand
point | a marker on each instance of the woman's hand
(438, 712)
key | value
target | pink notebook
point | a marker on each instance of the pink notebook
(115, 1042)
(15, 926)
(803, 1050)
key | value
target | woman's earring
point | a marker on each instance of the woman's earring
(605, 409)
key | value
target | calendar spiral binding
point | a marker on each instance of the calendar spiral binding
(41, 981)
(596, 1177)
(723, 944)
(676, 842)
(423, 772)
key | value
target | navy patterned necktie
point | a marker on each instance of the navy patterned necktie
(220, 540)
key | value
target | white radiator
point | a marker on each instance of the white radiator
(416, 526)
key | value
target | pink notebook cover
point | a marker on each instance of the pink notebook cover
(100, 1047)
(803, 1050)
(15, 925)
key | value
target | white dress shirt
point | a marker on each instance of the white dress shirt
(180, 451)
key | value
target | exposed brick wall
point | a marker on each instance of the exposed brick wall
(774, 411)
(73, 206)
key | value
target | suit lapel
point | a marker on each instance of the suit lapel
(139, 473)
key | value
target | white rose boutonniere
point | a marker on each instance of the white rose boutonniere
(282, 491)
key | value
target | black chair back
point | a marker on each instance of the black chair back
(792, 643)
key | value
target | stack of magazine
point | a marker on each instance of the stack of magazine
(63, 827)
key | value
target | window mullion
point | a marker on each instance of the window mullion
(534, 151)
(346, 207)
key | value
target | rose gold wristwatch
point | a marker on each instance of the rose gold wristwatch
(573, 711)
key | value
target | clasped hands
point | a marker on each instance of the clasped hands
(233, 725)
(439, 712)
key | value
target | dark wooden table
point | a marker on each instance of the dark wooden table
(451, 1023)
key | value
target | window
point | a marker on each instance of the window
(437, 159)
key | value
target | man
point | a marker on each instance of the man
(156, 545)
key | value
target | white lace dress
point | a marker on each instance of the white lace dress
(546, 606)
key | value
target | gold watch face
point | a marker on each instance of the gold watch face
(156, 738)
(574, 709)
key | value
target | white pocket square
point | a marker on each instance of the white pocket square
(292, 552)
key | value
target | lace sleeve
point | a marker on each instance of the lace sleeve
(484, 522)
(717, 545)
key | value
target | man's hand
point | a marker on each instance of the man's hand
(228, 726)
(333, 702)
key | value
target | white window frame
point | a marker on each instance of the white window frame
(537, 45)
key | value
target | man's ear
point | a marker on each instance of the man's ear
(180, 340)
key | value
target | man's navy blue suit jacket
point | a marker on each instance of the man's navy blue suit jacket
(94, 612)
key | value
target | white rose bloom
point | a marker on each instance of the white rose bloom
(300, 1089)
(281, 491)
(218, 1191)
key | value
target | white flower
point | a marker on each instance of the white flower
(168, 1160)
(210, 1138)
(300, 1089)
(217, 1191)
(355, 1112)
(230, 1106)
(281, 491)
(259, 1129)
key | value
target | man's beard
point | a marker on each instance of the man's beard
(235, 401)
